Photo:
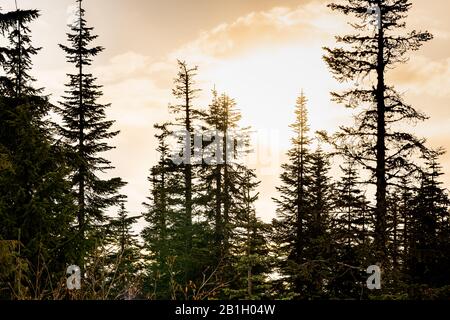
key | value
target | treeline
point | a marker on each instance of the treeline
(202, 237)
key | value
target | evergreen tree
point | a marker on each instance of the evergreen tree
(35, 207)
(250, 248)
(186, 92)
(404, 204)
(162, 239)
(125, 259)
(318, 249)
(375, 141)
(293, 205)
(223, 175)
(16, 58)
(351, 226)
(179, 268)
(427, 261)
(352, 220)
(302, 228)
(400, 201)
(86, 131)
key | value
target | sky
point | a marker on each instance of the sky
(260, 52)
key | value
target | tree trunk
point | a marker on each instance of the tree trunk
(82, 169)
(381, 183)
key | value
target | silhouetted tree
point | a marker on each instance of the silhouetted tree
(221, 177)
(350, 234)
(124, 262)
(376, 141)
(250, 247)
(293, 204)
(185, 91)
(35, 207)
(163, 235)
(428, 231)
(86, 132)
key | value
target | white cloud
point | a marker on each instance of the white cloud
(424, 76)
(307, 23)
(122, 67)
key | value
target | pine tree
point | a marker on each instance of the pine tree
(85, 131)
(350, 229)
(222, 181)
(163, 238)
(16, 59)
(9, 19)
(400, 200)
(185, 91)
(250, 247)
(221, 177)
(375, 142)
(427, 260)
(318, 249)
(352, 220)
(35, 207)
(180, 268)
(293, 205)
(404, 203)
(125, 260)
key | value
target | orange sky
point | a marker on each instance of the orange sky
(261, 52)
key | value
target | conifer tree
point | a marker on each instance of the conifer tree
(125, 259)
(36, 209)
(163, 238)
(16, 58)
(222, 175)
(188, 116)
(250, 248)
(86, 132)
(352, 220)
(405, 200)
(376, 141)
(351, 225)
(318, 248)
(290, 231)
(427, 259)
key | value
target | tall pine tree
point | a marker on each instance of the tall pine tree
(293, 204)
(86, 132)
(188, 116)
(35, 207)
(376, 141)
(224, 177)
(163, 237)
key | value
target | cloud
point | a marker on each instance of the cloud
(130, 84)
(279, 25)
(424, 76)
(135, 101)
(123, 66)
